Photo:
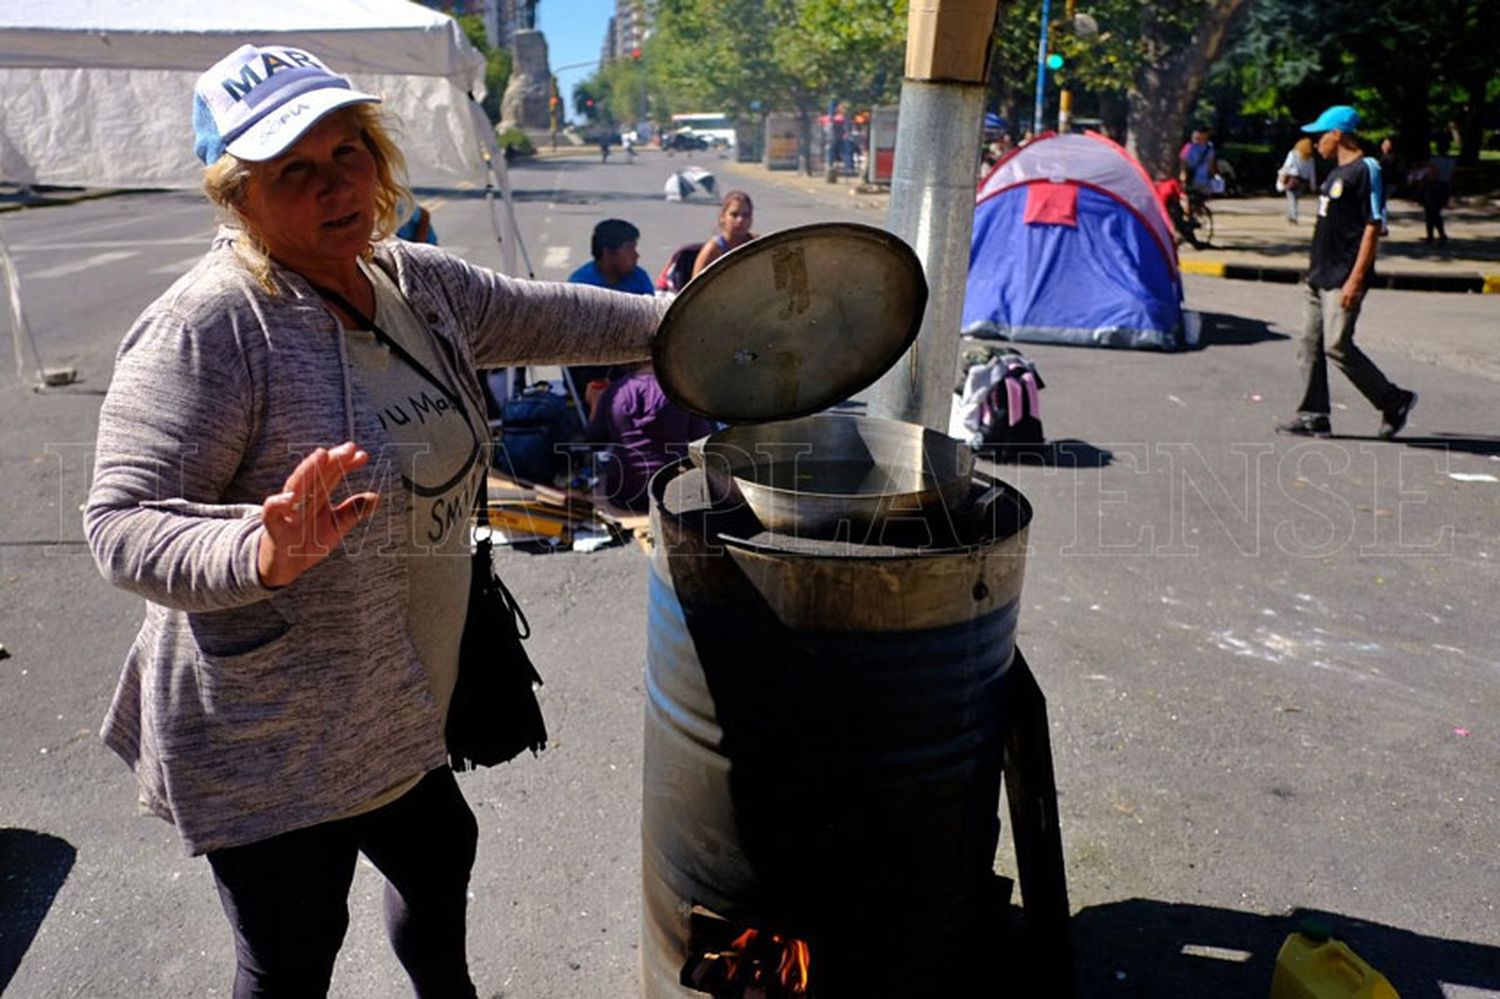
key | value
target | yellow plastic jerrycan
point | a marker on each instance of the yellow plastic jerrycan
(1313, 965)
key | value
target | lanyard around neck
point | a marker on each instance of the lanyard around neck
(389, 342)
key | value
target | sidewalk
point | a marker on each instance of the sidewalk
(14, 197)
(1254, 242)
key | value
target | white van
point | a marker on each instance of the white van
(714, 126)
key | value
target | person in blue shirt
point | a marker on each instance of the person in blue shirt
(616, 263)
(616, 266)
(1199, 163)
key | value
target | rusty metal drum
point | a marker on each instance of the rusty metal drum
(822, 747)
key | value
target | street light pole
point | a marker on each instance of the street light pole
(1041, 70)
(1065, 96)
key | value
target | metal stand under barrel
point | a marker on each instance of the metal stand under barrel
(1031, 791)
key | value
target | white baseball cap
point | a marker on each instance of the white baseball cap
(257, 101)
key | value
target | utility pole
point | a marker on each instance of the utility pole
(932, 193)
(1065, 96)
(1041, 70)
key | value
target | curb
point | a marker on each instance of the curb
(47, 200)
(1473, 283)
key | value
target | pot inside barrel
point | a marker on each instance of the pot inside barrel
(823, 474)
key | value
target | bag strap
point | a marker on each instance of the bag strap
(389, 342)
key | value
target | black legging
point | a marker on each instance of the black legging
(287, 897)
(1434, 200)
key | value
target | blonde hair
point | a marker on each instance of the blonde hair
(226, 180)
(1304, 147)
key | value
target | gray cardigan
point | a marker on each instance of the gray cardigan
(247, 712)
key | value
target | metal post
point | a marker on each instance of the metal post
(1065, 96)
(1041, 70)
(932, 194)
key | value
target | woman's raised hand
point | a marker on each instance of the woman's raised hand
(302, 524)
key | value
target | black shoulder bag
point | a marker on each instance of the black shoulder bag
(494, 713)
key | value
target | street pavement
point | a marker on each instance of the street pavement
(1270, 663)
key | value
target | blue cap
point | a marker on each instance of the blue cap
(1341, 117)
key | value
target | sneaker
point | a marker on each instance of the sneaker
(1393, 419)
(1306, 425)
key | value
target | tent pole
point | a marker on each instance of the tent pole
(498, 176)
(21, 330)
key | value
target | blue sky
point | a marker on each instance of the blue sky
(575, 33)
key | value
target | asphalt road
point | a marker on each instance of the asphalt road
(1271, 664)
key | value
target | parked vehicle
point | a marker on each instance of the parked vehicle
(715, 128)
(684, 140)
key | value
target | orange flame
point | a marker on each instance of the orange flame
(792, 959)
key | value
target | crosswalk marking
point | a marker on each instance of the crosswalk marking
(87, 263)
(557, 256)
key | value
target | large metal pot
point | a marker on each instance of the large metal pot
(821, 474)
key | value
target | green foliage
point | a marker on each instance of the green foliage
(1410, 66)
(1134, 36)
(785, 54)
(497, 63)
(514, 138)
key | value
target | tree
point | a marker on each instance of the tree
(496, 65)
(784, 54)
(1144, 70)
(1410, 67)
(1180, 41)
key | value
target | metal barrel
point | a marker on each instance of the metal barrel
(823, 744)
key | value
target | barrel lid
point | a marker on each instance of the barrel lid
(790, 323)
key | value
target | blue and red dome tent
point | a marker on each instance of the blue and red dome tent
(1071, 245)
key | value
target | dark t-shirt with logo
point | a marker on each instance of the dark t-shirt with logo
(1351, 199)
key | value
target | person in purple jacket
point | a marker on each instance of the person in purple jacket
(644, 430)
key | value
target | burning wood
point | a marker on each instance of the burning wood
(755, 965)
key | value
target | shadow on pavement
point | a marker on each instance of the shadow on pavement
(34, 866)
(1223, 330)
(1066, 453)
(1461, 443)
(1165, 950)
(1456, 248)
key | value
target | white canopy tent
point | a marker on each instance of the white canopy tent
(98, 93)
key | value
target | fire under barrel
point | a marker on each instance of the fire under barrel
(833, 604)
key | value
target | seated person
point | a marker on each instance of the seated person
(644, 431)
(1173, 198)
(616, 266)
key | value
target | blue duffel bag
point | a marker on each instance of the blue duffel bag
(535, 426)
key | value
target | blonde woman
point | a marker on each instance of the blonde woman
(288, 459)
(1298, 173)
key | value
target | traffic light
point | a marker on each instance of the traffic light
(635, 54)
(589, 102)
(1054, 62)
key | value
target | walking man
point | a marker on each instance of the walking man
(1351, 213)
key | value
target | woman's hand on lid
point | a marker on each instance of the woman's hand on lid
(302, 523)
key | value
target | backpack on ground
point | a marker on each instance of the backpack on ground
(533, 427)
(999, 404)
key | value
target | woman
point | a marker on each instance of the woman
(292, 500)
(1298, 173)
(1437, 188)
(736, 214)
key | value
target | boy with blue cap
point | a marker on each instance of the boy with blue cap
(1351, 215)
